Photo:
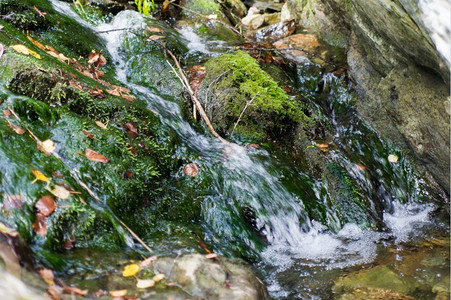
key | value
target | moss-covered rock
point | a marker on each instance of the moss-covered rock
(240, 98)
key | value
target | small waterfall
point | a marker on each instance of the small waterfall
(248, 180)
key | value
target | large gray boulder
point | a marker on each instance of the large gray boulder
(399, 57)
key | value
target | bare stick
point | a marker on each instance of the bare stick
(83, 185)
(194, 98)
(111, 30)
(242, 112)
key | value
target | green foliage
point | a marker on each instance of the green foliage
(236, 80)
(145, 6)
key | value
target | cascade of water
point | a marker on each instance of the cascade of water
(242, 180)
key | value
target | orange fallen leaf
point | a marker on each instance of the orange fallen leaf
(46, 205)
(73, 290)
(39, 225)
(204, 247)
(55, 291)
(12, 202)
(40, 13)
(36, 43)
(47, 275)
(148, 261)
(121, 89)
(96, 156)
(17, 129)
(128, 97)
(97, 59)
(6, 113)
(191, 169)
(155, 37)
(154, 29)
(114, 92)
(88, 134)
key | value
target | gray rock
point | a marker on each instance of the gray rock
(203, 278)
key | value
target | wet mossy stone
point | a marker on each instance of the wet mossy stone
(235, 86)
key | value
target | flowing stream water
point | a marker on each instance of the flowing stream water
(300, 256)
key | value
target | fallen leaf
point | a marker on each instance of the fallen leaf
(55, 291)
(393, 158)
(145, 283)
(39, 225)
(97, 59)
(100, 293)
(204, 247)
(46, 205)
(155, 37)
(88, 134)
(165, 6)
(73, 290)
(24, 50)
(2, 49)
(61, 57)
(59, 192)
(130, 270)
(8, 231)
(47, 146)
(76, 85)
(158, 277)
(114, 92)
(211, 256)
(36, 43)
(39, 176)
(128, 97)
(96, 156)
(154, 29)
(97, 93)
(17, 129)
(118, 293)
(191, 169)
(322, 147)
(100, 124)
(131, 129)
(148, 261)
(121, 89)
(40, 13)
(6, 113)
(69, 243)
(12, 202)
(47, 275)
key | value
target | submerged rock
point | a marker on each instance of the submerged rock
(219, 278)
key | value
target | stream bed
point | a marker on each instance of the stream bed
(269, 207)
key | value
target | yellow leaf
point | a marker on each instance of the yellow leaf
(145, 283)
(24, 50)
(39, 176)
(118, 293)
(130, 270)
(59, 192)
(46, 146)
(100, 124)
(9, 231)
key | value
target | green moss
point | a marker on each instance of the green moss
(206, 7)
(234, 80)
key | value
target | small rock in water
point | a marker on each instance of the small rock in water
(275, 32)
(254, 21)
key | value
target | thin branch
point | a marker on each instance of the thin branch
(111, 30)
(242, 112)
(193, 97)
(82, 184)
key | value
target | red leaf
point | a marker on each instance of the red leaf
(69, 243)
(46, 205)
(47, 275)
(191, 169)
(39, 225)
(96, 156)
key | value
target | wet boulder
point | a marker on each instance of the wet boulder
(243, 100)
(219, 278)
